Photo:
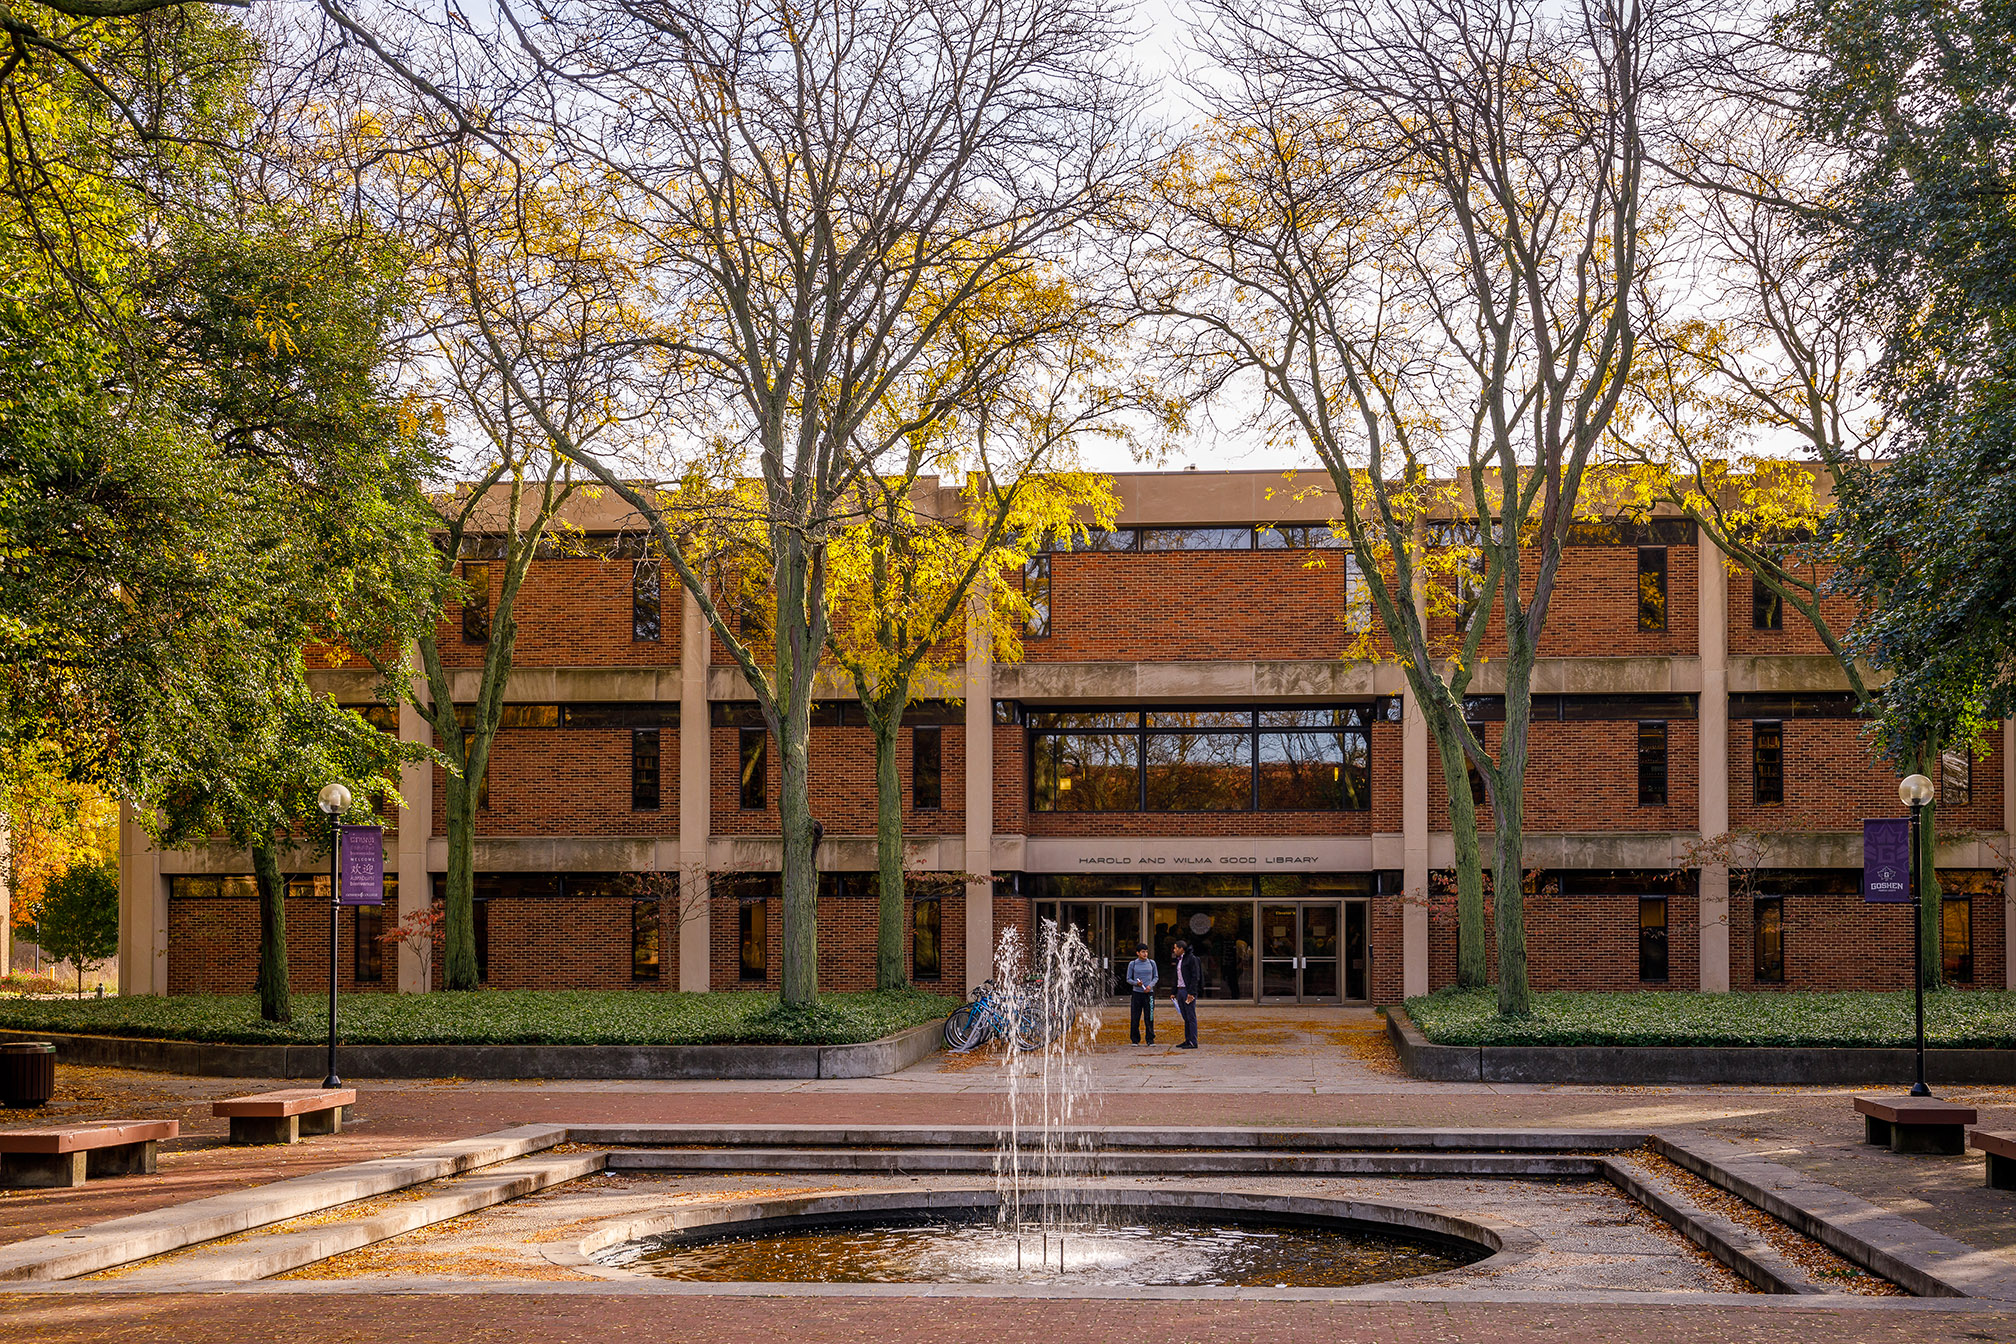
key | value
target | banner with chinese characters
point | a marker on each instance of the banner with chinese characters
(360, 864)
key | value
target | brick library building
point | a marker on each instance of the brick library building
(1180, 752)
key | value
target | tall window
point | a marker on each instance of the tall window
(1767, 939)
(1767, 762)
(644, 748)
(1956, 936)
(926, 767)
(647, 601)
(644, 939)
(1211, 760)
(753, 925)
(1651, 764)
(483, 780)
(1651, 937)
(1478, 795)
(476, 605)
(925, 926)
(1651, 587)
(755, 769)
(1036, 592)
(481, 908)
(368, 952)
(1767, 609)
(1956, 777)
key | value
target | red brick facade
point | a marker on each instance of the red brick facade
(564, 790)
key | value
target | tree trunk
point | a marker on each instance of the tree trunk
(459, 969)
(797, 664)
(275, 1005)
(1508, 877)
(1472, 968)
(890, 972)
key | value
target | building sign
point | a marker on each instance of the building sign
(360, 864)
(1319, 854)
(1886, 861)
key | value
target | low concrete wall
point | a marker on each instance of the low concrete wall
(868, 1059)
(1652, 1065)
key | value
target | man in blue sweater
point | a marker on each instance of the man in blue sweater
(1142, 973)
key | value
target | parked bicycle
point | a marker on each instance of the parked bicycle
(993, 1014)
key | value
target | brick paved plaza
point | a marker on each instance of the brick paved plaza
(1260, 1068)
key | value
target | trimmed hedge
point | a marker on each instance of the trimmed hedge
(491, 1017)
(1975, 1019)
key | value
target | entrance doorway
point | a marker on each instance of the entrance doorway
(1275, 940)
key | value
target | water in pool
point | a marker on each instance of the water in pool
(1147, 1252)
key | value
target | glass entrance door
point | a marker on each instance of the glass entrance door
(1299, 952)
(1121, 934)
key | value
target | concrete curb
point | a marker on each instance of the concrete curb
(1917, 1259)
(1658, 1065)
(1750, 1256)
(867, 1059)
(120, 1241)
(982, 1161)
(1116, 1138)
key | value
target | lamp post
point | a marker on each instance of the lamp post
(333, 800)
(1914, 791)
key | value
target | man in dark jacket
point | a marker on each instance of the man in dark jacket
(1187, 973)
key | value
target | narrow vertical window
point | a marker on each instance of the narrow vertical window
(925, 918)
(476, 605)
(1956, 777)
(1956, 937)
(644, 769)
(1767, 939)
(1651, 587)
(755, 769)
(1767, 762)
(368, 952)
(481, 908)
(1036, 592)
(926, 767)
(754, 930)
(1651, 937)
(1767, 609)
(644, 939)
(646, 601)
(1651, 764)
(1357, 597)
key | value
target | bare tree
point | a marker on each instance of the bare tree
(1418, 228)
(815, 195)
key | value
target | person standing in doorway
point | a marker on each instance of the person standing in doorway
(1188, 970)
(1142, 975)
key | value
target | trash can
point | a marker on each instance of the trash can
(27, 1073)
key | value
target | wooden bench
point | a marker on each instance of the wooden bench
(1915, 1124)
(64, 1155)
(284, 1116)
(2001, 1152)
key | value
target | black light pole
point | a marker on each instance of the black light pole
(1916, 791)
(333, 799)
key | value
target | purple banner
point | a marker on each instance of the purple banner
(1886, 861)
(360, 859)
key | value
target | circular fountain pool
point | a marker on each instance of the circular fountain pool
(1221, 1241)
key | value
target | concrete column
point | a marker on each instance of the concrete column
(979, 791)
(695, 798)
(1414, 756)
(2009, 839)
(1712, 640)
(6, 895)
(143, 910)
(416, 827)
(1414, 847)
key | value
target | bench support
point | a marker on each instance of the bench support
(1944, 1140)
(2001, 1172)
(254, 1129)
(46, 1171)
(1875, 1130)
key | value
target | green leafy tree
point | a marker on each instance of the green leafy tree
(80, 916)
